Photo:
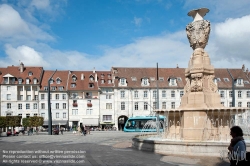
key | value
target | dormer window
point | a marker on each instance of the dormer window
(152, 78)
(218, 79)
(27, 81)
(58, 80)
(51, 81)
(179, 79)
(145, 81)
(226, 79)
(30, 73)
(74, 78)
(239, 81)
(109, 81)
(161, 78)
(13, 80)
(60, 88)
(172, 81)
(6, 80)
(20, 81)
(35, 81)
(45, 88)
(102, 81)
(109, 75)
(53, 88)
(102, 75)
(91, 85)
(73, 85)
(133, 78)
(91, 78)
(122, 81)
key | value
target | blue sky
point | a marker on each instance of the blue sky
(83, 34)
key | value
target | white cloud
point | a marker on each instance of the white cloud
(14, 29)
(25, 54)
(44, 4)
(137, 21)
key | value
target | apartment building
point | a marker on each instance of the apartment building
(106, 98)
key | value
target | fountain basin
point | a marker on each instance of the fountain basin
(178, 147)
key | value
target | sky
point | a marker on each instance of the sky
(100, 34)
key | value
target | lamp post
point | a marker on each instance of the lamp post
(157, 103)
(49, 107)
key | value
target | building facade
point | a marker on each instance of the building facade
(106, 98)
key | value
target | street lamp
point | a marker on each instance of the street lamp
(49, 107)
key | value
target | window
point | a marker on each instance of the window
(35, 106)
(89, 111)
(179, 79)
(161, 78)
(222, 94)
(102, 81)
(239, 81)
(145, 81)
(248, 104)
(20, 81)
(20, 106)
(8, 105)
(154, 94)
(181, 93)
(35, 89)
(35, 81)
(108, 105)
(173, 105)
(230, 93)
(239, 94)
(57, 96)
(107, 117)
(42, 96)
(51, 81)
(172, 81)
(152, 78)
(6, 80)
(27, 115)
(122, 94)
(91, 85)
(230, 104)
(21, 89)
(21, 97)
(57, 115)
(53, 88)
(145, 106)
(13, 80)
(74, 111)
(163, 94)
(8, 96)
(35, 114)
(73, 85)
(20, 114)
(248, 94)
(60, 88)
(58, 81)
(91, 78)
(43, 115)
(64, 115)
(122, 81)
(36, 97)
(172, 94)
(45, 88)
(239, 104)
(64, 105)
(109, 82)
(133, 78)
(122, 105)
(145, 94)
(64, 96)
(28, 97)
(108, 96)
(222, 103)
(27, 106)
(164, 105)
(136, 94)
(226, 79)
(154, 105)
(43, 105)
(8, 114)
(8, 87)
(136, 106)
(57, 105)
(28, 89)
(27, 81)
(30, 73)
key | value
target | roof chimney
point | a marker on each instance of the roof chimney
(21, 67)
(243, 68)
(94, 70)
(82, 76)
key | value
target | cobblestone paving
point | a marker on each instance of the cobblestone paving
(104, 148)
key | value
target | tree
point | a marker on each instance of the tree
(2, 121)
(26, 122)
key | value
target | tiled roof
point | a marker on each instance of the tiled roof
(15, 71)
(62, 75)
(106, 76)
(139, 73)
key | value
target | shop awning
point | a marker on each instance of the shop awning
(56, 122)
(90, 122)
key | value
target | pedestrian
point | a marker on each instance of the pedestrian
(237, 147)
(62, 130)
(83, 130)
(79, 130)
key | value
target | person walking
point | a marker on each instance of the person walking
(237, 147)
(79, 130)
(83, 130)
(61, 130)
